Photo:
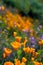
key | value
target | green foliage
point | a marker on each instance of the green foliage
(36, 6)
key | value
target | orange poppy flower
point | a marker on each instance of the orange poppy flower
(41, 42)
(25, 41)
(36, 54)
(27, 50)
(22, 63)
(0, 17)
(8, 63)
(3, 8)
(32, 59)
(20, 19)
(7, 51)
(17, 62)
(18, 39)
(41, 63)
(19, 26)
(14, 34)
(32, 50)
(4, 55)
(36, 63)
(15, 45)
(24, 59)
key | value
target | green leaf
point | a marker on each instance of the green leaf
(19, 52)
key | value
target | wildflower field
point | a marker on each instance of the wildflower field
(21, 34)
